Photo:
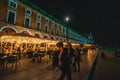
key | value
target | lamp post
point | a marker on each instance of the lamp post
(67, 20)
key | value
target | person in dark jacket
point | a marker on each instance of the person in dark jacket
(65, 65)
(77, 57)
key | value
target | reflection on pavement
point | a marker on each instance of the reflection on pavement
(91, 55)
(39, 72)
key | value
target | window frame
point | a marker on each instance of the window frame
(47, 21)
(57, 32)
(45, 28)
(13, 2)
(38, 14)
(28, 13)
(52, 30)
(14, 17)
(53, 23)
(29, 22)
(39, 25)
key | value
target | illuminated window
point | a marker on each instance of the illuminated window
(38, 25)
(28, 11)
(27, 22)
(11, 17)
(12, 4)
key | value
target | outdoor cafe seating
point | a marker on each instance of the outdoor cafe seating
(6, 59)
(37, 56)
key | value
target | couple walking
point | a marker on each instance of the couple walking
(65, 58)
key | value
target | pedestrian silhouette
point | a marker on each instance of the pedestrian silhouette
(65, 65)
(77, 58)
(103, 56)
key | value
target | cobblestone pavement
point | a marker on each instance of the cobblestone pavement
(28, 70)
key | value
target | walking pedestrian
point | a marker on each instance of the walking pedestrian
(65, 65)
(64, 62)
(77, 58)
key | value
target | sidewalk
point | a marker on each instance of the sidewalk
(108, 69)
(39, 71)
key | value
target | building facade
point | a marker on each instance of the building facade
(24, 23)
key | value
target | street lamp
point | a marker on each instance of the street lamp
(67, 20)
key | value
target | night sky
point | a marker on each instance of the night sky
(102, 18)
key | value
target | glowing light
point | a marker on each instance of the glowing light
(67, 19)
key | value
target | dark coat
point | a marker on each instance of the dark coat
(78, 56)
(55, 58)
(65, 60)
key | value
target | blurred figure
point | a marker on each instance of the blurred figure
(103, 56)
(77, 58)
(64, 62)
(55, 61)
(60, 46)
(65, 65)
